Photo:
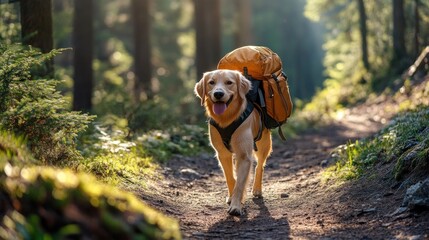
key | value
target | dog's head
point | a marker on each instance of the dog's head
(219, 88)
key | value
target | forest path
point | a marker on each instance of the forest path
(296, 204)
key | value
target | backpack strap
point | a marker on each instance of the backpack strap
(282, 136)
(260, 106)
(226, 133)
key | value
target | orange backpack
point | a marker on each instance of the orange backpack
(263, 67)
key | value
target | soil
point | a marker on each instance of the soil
(296, 203)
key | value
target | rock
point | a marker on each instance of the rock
(324, 163)
(417, 196)
(329, 161)
(190, 174)
(287, 154)
(369, 210)
(398, 211)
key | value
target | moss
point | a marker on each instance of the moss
(56, 202)
(39, 202)
(414, 159)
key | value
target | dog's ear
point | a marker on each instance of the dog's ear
(200, 88)
(244, 85)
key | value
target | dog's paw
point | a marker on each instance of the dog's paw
(257, 193)
(234, 211)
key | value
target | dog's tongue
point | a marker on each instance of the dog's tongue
(219, 108)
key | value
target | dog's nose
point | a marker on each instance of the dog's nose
(218, 95)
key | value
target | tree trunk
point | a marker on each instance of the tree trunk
(207, 24)
(243, 32)
(142, 53)
(416, 28)
(363, 33)
(399, 50)
(83, 50)
(36, 28)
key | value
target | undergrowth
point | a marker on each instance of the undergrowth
(117, 158)
(41, 202)
(404, 142)
(32, 107)
(111, 148)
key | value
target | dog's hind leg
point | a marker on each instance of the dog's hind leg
(264, 150)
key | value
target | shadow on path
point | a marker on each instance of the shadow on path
(256, 223)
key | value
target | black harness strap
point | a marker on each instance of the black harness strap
(226, 133)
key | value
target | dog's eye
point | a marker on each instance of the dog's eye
(211, 82)
(228, 82)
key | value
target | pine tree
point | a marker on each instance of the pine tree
(34, 108)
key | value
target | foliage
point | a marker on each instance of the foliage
(14, 149)
(34, 108)
(184, 140)
(347, 81)
(405, 141)
(121, 168)
(114, 159)
(49, 203)
(117, 158)
(9, 24)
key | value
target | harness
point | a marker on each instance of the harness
(226, 133)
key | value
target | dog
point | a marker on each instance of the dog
(223, 94)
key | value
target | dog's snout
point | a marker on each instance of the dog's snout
(218, 94)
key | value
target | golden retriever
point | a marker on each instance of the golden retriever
(223, 94)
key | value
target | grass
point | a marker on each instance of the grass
(118, 159)
(120, 168)
(405, 142)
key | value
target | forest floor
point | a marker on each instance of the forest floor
(296, 202)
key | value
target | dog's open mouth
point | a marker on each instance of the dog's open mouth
(220, 107)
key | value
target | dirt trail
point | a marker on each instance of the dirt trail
(295, 204)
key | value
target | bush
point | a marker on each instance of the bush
(35, 109)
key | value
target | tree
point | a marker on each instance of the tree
(363, 33)
(142, 53)
(243, 33)
(36, 28)
(207, 24)
(83, 50)
(399, 50)
(416, 28)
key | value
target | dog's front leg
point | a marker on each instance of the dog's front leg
(243, 165)
(225, 159)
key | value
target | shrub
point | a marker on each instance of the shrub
(35, 109)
